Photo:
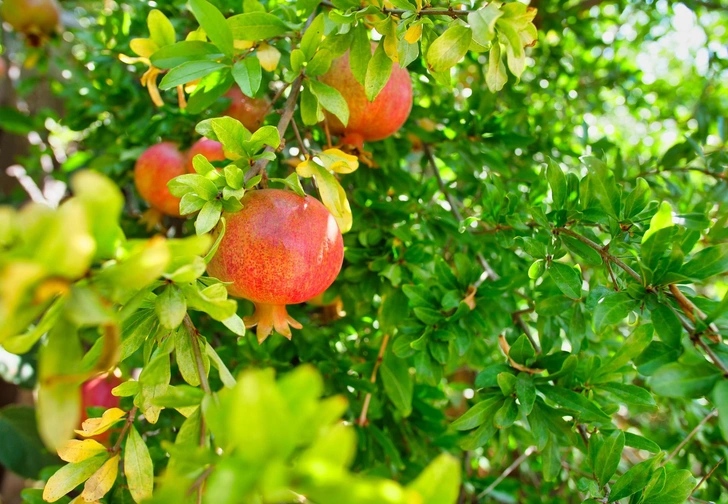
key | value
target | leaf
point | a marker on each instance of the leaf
(101, 481)
(637, 198)
(655, 356)
(214, 24)
(557, 182)
(630, 394)
(360, 53)
(338, 161)
(683, 380)
(248, 75)
(720, 399)
(21, 449)
(161, 30)
(634, 480)
(256, 26)
(226, 377)
(174, 55)
(576, 247)
(265, 135)
(268, 56)
(76, 450)
(397, 382)
(679, 485)
(640, 442)
(708, 262)
(331, 99)
(629, 349)
(208, 217)
(478, 414)
(378, 72)
(667, 325)
(138, 467)
(332, 194)
(185, 354)
(569, 399)
(70, 476)
(551, 460)
(171, 307)
(449, 48)
(606, 460)
(661, 220)
(602, 183)
(95, 426)
(482, 22)
(311, 111)
(439, 483)
(526, 392)
(188, 72)
(496, 76)
(507, 413)
(428, 315)
(312, 38)
(613, 308)
(567, 279)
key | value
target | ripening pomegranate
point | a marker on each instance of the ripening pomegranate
(97, 393)
(155, 167)
(34, 18)
(369, 121)
(279, 249)
(249, 111)
(211, 149)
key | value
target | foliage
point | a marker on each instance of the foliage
(534, 270)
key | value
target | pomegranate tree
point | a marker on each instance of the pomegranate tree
(280, 249)
(155, 167)
(369, 121)
(211, 149)
(249, 111)
(35, 18)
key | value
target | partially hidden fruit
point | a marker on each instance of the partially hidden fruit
(155, 167)
(97, 393)
(279, 249)
(36, 19)
(369, 121)
(211, 149)
(249, 111)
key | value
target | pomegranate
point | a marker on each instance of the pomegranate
(249, 111)
(155, 167)
(279, 249)
(97, 393)
(211, 149)
(34, 18)
(369, 121)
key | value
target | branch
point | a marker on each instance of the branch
(380, 356)
(719, 176)
(453, 13)
(708, 475)
(690, 308)
(129, 420)
(603, 251)
(517, 317)
(508, 471)
(690, 436)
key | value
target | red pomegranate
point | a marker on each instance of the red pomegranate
(155, 167)
(35, 18)
(211, 149)
(279, 249)
(369, 121)
(97, 393)
(249, 111)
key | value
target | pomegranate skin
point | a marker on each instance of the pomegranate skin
(155, 167)
(97, 392)
(369, 121)
(279, 249)
(211, 149)
(34, 17)
(249, 111)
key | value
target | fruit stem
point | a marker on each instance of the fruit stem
(269, 317)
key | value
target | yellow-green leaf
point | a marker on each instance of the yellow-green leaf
(138, 467)
(143, 47)
(76, 450)
(161, 30)
(268, 56)
(70, 476)
(102, 480)
(339, 161)
(332, 194)
(449, 48)
(96, 426)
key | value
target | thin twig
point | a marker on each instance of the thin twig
(508, 471)
(719, 176)
(517, 317)
(690, 436)
(197, 485)
(453, 13)
(690, 309)
(298, 137)
(129, 421)
(380, 356)
(276, 97)
(603, 251)
(708, 475)
(194, 336)
(582, 433)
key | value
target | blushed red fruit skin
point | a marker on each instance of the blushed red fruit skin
(97, 393)
(249, 111)
(211, 149)
(370, 121)
(155, 167)
(31, 16)
(279, 249)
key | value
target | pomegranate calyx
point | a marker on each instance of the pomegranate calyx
(269, 317)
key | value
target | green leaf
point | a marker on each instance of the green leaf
(655, 356)
(208, 217)
(507, 414)
(551, 460)
(214, 24)
(522, 350)
(398, 383)
(171, 307)
(577, 248)
(439, 483)
(634, 480)
(428, 315)
(683, 380)
(526, 392)
(557, 182)
(174, 55)
(449, 48)
(567, 279)
(708, 262)
(312, 38)
(604, 186)
(22, 450)
(378, 71)
(654, 248)
(202, 186)
(613, 308)
(661, 220)
(605, 455)
(679, 485)
(496, 76)
(569, 399)
(629, 394)
(360, 53)
(266, 135)
(482, 21)
(331, 99)
(248, 75)
(161, 30)
(188, 72)
(138, 466)
(256, 26)
(475, 416)
(311, 111)
(667, 325)
(720, 399)
(226, 377)
(637, 198)
(640, 442)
